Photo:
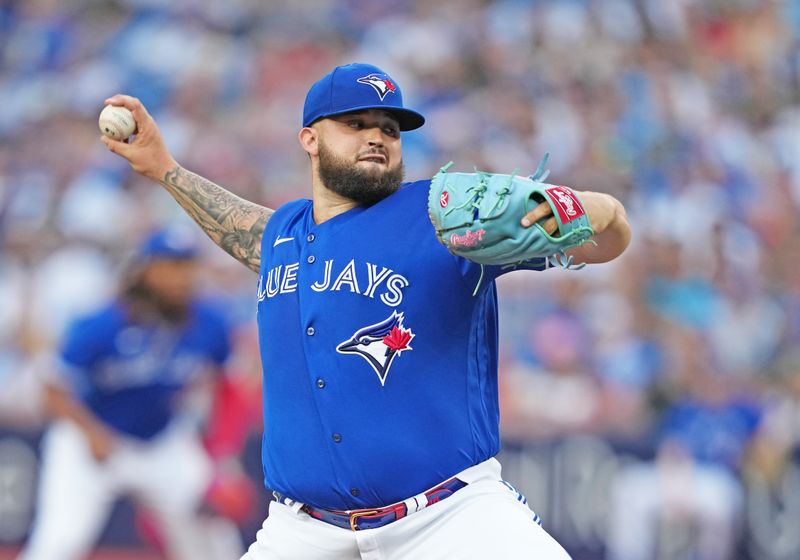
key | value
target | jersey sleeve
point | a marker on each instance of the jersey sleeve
(218, 334)
(77, 355)
(474, 275)
(222, 348)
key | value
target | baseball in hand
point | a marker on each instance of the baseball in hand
(116, 122)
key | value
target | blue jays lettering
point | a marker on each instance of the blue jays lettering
(367, 279)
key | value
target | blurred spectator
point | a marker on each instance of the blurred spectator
(689, 497)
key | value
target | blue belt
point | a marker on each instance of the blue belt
(360, 519)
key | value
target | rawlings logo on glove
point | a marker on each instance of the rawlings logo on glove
(567, 203)
(477, 216)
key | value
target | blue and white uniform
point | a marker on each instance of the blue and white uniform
(349, 421)
(380, 383)
(381, 417)
(130, 374)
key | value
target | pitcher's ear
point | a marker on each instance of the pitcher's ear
(309, 140)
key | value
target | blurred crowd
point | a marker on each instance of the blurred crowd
(686, 351)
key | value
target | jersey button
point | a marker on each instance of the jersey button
(310, 237)
(310, 331)
(311, 259)
(337, 438)
(355, 491)
(320, 383)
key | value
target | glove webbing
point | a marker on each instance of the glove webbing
(480, 191)
(560, 259)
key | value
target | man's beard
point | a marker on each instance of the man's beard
(145, 304)
(348, 180)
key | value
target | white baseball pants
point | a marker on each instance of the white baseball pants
(168, 475)
(485, 519)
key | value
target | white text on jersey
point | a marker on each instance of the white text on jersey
(282, 279)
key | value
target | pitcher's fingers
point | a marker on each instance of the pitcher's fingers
(140, 114)
(541, 211)
(115, 146)
(550, 226)
(127, 101)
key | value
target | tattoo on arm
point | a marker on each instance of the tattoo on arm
(231, 222)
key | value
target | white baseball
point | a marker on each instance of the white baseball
(116, 122)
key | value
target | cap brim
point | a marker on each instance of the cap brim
(154, 257)
(408, 119)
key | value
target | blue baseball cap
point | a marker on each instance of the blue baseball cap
(167, 244)
(357, 87)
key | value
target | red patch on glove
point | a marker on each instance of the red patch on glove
(566, 202)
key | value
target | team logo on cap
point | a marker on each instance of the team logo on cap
(381, 83)
(380, 344)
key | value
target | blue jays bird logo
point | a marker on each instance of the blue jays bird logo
(380, 343)
(381, 83)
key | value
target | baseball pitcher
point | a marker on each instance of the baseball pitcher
(377, 316)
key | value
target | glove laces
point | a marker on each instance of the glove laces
(479, 189)
(541, 173)
(560, 259)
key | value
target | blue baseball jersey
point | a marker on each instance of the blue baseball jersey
(130, 373)
(380, 367)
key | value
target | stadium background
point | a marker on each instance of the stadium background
(681, 357)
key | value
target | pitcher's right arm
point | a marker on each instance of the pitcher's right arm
(231, 222)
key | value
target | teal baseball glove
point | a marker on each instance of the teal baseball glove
(477, 216)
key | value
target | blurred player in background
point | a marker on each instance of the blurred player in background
(123, 420)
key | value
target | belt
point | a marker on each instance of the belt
(372, 518)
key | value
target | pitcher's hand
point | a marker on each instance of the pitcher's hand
(146, 151)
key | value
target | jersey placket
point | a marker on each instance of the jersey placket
(313, 269)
